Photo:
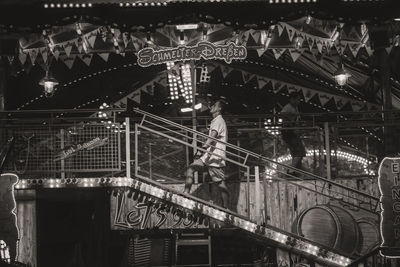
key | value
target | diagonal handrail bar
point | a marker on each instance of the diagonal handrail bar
(260, 157)
(296, 179)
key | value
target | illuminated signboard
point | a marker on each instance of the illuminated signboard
(389, 187)
(203, 50)
(128, 213)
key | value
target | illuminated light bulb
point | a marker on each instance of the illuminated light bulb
(341, 76)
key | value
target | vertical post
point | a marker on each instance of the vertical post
(257, 205)
(128, 147)
(136, 150)
(150, 167)
(3, 81)
(62, 145)
(248, 191)
(194, 119)
(327, 150)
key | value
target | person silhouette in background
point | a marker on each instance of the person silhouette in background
(214, 159)
(291, 136)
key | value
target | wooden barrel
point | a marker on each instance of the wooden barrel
(369, 234)
(330, 226)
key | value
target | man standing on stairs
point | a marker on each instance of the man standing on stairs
(291, 136)
(214, 159)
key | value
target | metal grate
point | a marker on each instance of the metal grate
(46, 149)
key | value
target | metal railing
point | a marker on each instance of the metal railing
(252, 164)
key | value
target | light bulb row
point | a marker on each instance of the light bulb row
(210, 211)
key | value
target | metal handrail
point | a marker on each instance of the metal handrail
(239, 149)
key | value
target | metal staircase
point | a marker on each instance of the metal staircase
(159, 144)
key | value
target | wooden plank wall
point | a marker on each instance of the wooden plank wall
(285, 202)
(26, 220)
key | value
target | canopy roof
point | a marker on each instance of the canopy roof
(91, 49)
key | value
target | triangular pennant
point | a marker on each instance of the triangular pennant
(244, 37)
(122, 102)
(33, 53)
(389, 49)
(256, 36)
(296, 53)
(261, 82)
(136, 96)
(80, 48)
(67, 49)
(246, 76)
(308, 94)
(291, 32)
(369, 50)
(211, 67)
(44, 53)
(104, 56)
(225, 71)
(324, 98)
(86, 58)
(354, 49)
(136, 44)
(278, 52)
(22, 57)
(280, 29)
(56, 54)
(261, 51)
(92, 39)
(277, 86)
(125, 39)
(148, 88)
(76, 42)
(69, 61)
(356, 105)
(340, 101)
(310, 42)
(319, 46)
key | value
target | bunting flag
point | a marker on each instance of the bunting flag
(296, 53)
(278, 52)
(104, 56)
(68, 60)
(357, 38)
(225, 70)
(86, 58)
(246, 76)
(67, 48)
(22, 57)
(33, 53)
(261, 82)
(56, 54)
(280, 28)
(91, 40)
(44, 53)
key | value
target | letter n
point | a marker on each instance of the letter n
(396, 194)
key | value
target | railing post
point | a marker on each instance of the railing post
(327, 150)
(248, 192)
(257, 202)
(62, 146)
(128, 147)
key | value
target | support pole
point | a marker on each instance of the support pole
(384, 71)
(328, 151)
(128, 147)
(257, 195)
(194, 119)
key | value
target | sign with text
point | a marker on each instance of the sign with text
(203, 50)
(89, 145)
(389, 188)
(128, 213)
